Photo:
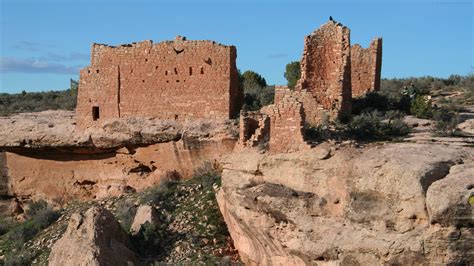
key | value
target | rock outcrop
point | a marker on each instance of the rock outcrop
(93, 238)
(383, 204)
(145, 214)
(121, 156)
(56, 129)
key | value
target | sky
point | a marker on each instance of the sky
(44, 43)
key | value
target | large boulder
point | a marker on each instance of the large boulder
(355, 206)
(449, 200)
(92, 238)
(145, 213)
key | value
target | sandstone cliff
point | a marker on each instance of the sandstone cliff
(120, 156)
(396, 203)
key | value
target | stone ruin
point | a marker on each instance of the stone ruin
(332, 73)
(182, 80)
(175, 80)
(366, 66)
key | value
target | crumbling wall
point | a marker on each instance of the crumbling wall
(366, 66)
(286, 126)
(170, 80)
(326, 68)
(254, 128)
(313, 111)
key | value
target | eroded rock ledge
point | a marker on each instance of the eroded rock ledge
(43, 155)
(402, 203)
(57, 130)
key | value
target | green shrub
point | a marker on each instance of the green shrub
(445, 123)
(36, 206)
(371, 125)
(292, 73)
(421, 108)
(19, 258)
(38, 101)
(40, 216)
(149, 239)
(6, 224)
(370, 102)
(256, 91)
(158, 195)
(254, 99)
(22, 233)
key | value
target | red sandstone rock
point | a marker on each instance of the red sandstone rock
(93, 238)
(381, 205)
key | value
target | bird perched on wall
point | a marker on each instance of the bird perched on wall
(330, 18)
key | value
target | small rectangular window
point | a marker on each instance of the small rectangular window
(95, 113)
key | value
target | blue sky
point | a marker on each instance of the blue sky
(44, 43)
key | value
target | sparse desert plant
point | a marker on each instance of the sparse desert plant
(19, 258)
(445, 123)
(371, 125)
(6, 224)
(421, 108)
(158, 195)
(40, 215)
(38, 101)
(370, 102)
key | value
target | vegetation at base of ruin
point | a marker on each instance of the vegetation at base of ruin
(256, 91)
(191, 229)
(38, 101)
(39, 216)
(292, 73)
(368, 126)
(378, 126)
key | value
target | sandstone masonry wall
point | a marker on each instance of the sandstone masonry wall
(286, 126)
(313, 111)
(366, 64)
(254, 128)
(170, 80)
(326, 68)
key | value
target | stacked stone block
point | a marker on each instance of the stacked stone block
(170, 80)
(313, 111)
(366, 65)
(286, 126)
(254, 128)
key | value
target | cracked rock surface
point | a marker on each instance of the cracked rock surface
(393, 203)
(56, 129)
